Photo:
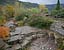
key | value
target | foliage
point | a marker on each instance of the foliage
(21, 12)
(54, 12)
(43, 8)
(58, 5)
(17, 9)
(1, 10)
(29, 5)
(2, 20)
(18, 18)
(9, 11)
(20, 23)
(4, 32)
(58, 13)
(40, 22)
(34, 10)
(61, 13)
(60, 43)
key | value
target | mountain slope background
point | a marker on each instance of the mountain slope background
(52, 6)
(30, 5)
(4, 2)
(27, 4)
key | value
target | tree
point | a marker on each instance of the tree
(61, 13)
(58, 7)
(56, 11)
(43, 8)
(19, 9)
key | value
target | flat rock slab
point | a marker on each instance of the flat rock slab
(57, 27)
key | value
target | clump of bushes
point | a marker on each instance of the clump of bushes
(40, 22)
(58, 13)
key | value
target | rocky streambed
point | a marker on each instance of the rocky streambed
(42, 43)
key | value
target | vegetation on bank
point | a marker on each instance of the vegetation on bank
(34, 17)
(58, 11)
(60, 43)
(40, 22)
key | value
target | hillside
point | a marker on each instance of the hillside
(50, 7)
(4, 2)
(25, 4)
(28, 4)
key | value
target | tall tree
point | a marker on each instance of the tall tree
(58, 5)
(56, 11)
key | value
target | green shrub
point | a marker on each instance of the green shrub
(20, 23)
(18, 18)
(40, 22)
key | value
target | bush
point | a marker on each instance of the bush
(20, 23)
(18, 18)
(2, 20)
(22, 16)
(61, 13)
(40, 22)
(58, 13)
